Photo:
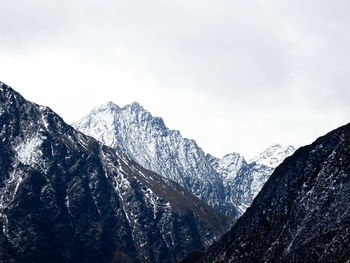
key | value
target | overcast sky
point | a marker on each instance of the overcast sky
(236, 76)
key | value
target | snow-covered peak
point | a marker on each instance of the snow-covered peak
(108, 120)
(273, 155)
(133, 131)
(226, 183)
(229, 165)
(106, 107)
(133, 106)
(232, 157)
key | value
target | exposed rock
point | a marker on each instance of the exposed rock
(302, 214)
(145, 139)
(228, 184)
(65, 197)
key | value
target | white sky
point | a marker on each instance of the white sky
(236, 76)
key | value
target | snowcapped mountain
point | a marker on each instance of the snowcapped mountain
(228, 184)
(65, 197)
(228, 166)
(243, 180)
(273, 155)
(302, 213)
(135, 132)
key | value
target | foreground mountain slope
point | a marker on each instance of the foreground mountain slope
(64, 197)
(145, 139)
(302, 214)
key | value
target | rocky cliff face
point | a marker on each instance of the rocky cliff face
(228, 184)
(145, 139)
(302, 213)
(64, 197)
(243, 180)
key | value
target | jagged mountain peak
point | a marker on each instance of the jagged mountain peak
(134, 106)
(229, 165)
(111, 106)
(137, 113)
(134, 111)
(232, 157)
(301, 214)
(12, 103)
(243, 180)
(146, 139)
(111, 117)
(108, 109)
(229, 183)
(7, 93)
(65, 197)
(132, 114)
(273, 155)
(4, 86)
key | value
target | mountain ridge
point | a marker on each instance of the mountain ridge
(148, 141)
(65, 197)
(301, 214)
(134, 131)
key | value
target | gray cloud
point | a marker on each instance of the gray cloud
(258, 71)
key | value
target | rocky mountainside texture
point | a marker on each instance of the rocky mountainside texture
(65, 197)
(145, 139)
(228, 184)
(302, 214)
(243, 180)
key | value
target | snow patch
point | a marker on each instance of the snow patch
(29, 151)
(44, 121)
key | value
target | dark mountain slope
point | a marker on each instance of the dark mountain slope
(64, 197)
(302, 214)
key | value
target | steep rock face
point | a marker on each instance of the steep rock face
(228, 166)
(64, 197)
(228, 184)
(243, 180)
(273, 155)
(145, 139)
(302, 214)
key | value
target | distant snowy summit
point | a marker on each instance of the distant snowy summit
(273, 155)
(301, 214)
(229, 165)
(135, 132)
(229, 184)
(244, 179)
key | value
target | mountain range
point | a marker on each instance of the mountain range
(302, 213)
(65, 197)
(228, 184)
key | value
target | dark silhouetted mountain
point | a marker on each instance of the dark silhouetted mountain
(302, 214)
(65, 197)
